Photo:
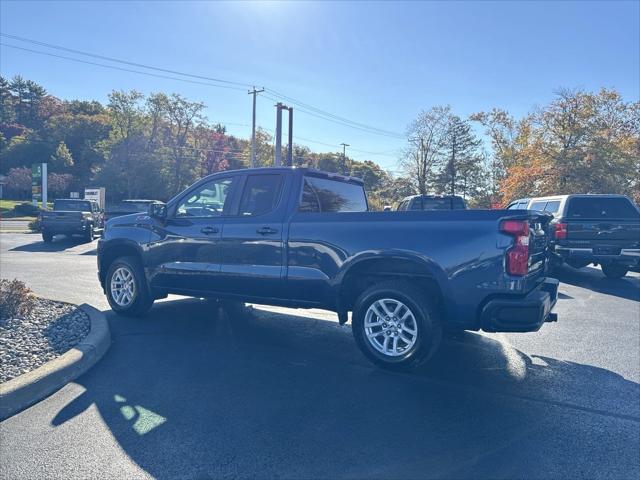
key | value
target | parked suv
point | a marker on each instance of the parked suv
(303, 238)
(598, 229)
(432, 202)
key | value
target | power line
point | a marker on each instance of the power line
(117, 60)
(200, 83)
(119, 68)
(339, 122)
(333, 116)
(302, 106)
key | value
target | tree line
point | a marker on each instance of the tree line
(154, 146)
(581, 142)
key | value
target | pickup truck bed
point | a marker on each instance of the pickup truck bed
(303, 238)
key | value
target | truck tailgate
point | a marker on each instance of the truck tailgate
(62, 217)
(604, 224)
(609, 236)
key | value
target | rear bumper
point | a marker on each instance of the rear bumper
(505, 314)
(627, 256)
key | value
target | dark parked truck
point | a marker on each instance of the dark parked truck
(304, 238)
(127, 207)
(72, 217)
(595, 228)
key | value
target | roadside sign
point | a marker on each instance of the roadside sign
(97, 194)
(74, 195)
(36, 183)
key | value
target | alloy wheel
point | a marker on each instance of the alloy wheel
(390, 327)
(123, 287)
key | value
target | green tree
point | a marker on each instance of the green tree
(7, 108)
(460, 164)
(62, 157)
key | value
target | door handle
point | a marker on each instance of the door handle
(266, 231)
(209, 230)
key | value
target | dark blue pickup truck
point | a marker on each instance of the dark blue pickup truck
(304, 238)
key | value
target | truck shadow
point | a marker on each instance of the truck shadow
(192, 393)
(593, 279)
(60, 243)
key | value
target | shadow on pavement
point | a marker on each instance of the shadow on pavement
(189, 392)
(592, 278)
(60, 242)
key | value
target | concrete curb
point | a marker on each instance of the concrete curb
(29, 388)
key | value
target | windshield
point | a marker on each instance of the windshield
(72, 205)
(445, 203)
(134, 206)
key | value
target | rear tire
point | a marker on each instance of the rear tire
(47, 237)
(396, 326)
(127, 289)
(614, 270)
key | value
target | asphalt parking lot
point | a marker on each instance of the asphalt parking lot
(194, 391)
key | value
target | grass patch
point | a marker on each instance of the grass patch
(7, 208)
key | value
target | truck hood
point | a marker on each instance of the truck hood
(130, 219)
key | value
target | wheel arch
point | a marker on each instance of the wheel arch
(112, 251)
(377, 267)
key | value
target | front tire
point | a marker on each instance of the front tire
(614, 270)
(127, 289)
(47, 237)
(89, 234)
(396, 326)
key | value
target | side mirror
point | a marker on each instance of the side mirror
(158, 210)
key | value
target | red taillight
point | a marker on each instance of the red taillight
(560, 231)
(518, 255)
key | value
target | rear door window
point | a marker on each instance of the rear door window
(540, 206)
(552, 206)
(326, 195)
(601, 207)
(261, 194)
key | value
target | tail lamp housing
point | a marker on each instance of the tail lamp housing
(560, 231)
(517, 257)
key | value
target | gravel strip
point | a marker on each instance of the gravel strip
(51, 329)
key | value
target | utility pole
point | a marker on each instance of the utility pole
(344, 149)
(279, 107)
(45, 185)
(290, 148)
(278, 159)
(344, 156)
(254, 92)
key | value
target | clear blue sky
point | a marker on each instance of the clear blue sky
(375, 63)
